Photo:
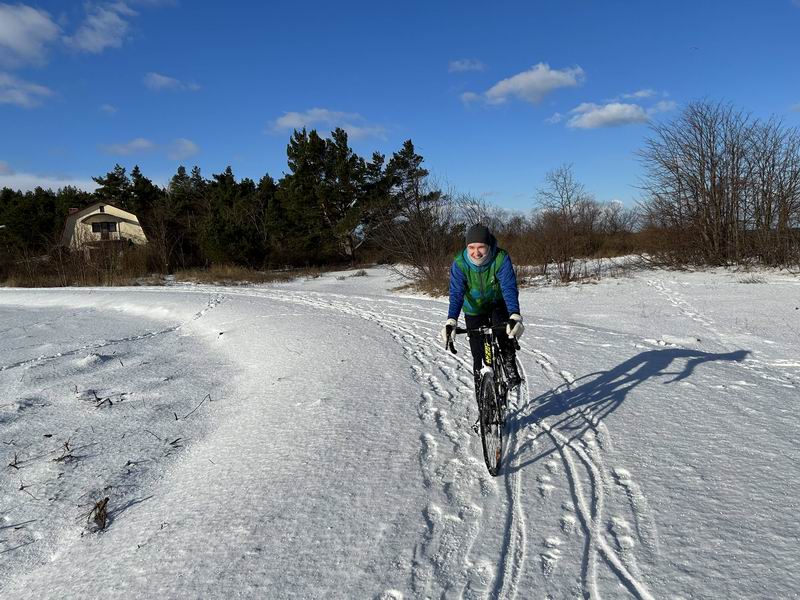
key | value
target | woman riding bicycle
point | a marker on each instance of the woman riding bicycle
(483, 283)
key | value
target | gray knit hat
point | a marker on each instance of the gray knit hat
(479, 234)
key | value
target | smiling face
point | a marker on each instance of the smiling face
(477, 251)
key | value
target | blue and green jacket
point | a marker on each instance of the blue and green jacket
(477, 289)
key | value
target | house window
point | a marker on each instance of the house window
(103, 227)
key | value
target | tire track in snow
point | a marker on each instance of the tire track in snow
(443, 554)
(515, 542)
(437, 559)
(588, 496)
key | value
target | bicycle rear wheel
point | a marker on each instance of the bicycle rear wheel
(491, 418)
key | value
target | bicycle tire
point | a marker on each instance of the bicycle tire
(491, 421)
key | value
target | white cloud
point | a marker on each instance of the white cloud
(589, 115)
(24, 34)
(21, 93)
(135, 146)
(555, 118)
(795, 107)
(109, 108)
(592, 116)
(29, 181)
(465, 64)
(158, 82)
(5, 169)
(470, 97)
(106, 26)
(534, 84)
(646, 93)
(298, 120)
(355, 132)
(179, 149)
(352, 123)
(662, 106)
(182, 148)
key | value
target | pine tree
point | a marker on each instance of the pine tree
(408, 181)
(114, 188)
(145, 196)
(306, 237)
(341, 196)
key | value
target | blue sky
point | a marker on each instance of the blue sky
(492, 96)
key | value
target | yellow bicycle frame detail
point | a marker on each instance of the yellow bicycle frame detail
(487, 353)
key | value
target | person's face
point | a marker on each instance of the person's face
(477, 251)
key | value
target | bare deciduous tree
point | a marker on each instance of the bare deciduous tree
(723, 187)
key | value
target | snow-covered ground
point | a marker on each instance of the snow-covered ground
(312, 440)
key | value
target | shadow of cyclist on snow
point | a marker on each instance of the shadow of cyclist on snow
(602, 392)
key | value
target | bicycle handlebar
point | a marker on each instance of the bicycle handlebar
(461, 330)
(482, 329)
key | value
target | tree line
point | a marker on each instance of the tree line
(321, 211)
(719, 187)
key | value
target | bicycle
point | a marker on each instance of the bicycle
(492, 395)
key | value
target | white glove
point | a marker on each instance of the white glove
(515, 327)
(448, 333)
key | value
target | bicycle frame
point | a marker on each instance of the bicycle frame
(491, 349)
(491, 405)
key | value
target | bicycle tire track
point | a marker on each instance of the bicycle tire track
(584, 454)
(437, 545)
(515, 542)
(587, 480)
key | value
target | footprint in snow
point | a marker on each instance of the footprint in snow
(545, 487)
(551, 555)
(568, 524)
(481, 576)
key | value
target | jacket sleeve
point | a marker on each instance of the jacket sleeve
(508, 285)
(458, 285)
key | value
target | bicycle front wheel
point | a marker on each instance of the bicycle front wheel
(491, 419)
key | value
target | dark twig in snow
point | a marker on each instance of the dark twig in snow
(206, 397)
(99, 514)
(24, 488)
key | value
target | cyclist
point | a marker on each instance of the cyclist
(483, 283)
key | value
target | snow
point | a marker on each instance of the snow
(311, 439)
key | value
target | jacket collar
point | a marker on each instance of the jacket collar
(471, 265)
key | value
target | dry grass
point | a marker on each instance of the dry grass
(439, 287)
(236, 275)
(110, 266)
(753, 278)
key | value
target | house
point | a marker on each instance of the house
(101, 224)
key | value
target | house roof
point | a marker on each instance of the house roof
(93, 207)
